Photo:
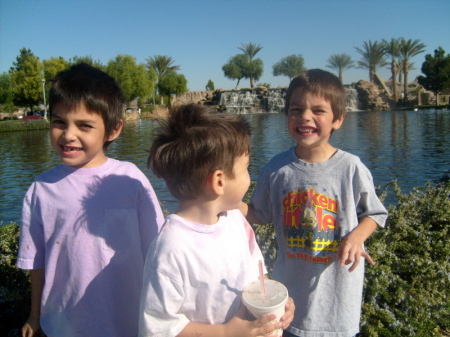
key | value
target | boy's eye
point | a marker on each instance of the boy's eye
(295, 111)
(85, 126)
(57, 122)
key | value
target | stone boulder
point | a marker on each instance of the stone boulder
(192, 97)
(372, 98)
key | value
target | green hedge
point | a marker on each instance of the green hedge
(39, 124)
(407, 293)
(15, 291)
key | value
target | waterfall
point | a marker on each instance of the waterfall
(275, 100)
(352, 99)
(249, 101)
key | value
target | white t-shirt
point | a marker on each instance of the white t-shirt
(195, 273)
(90, 229)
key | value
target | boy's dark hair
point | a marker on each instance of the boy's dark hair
(192, 143)
(322, 83)
(94, 88)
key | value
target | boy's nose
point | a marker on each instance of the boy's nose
(306, 115)
(68, 134)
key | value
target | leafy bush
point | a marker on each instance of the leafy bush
(24, 125)
(15, 291)
(407, 293)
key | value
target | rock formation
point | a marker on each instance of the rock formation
(371, 97)
(261, 99)
(192, 97)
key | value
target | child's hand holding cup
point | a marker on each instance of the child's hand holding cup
(266, 297)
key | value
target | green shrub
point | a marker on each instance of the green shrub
(407, 293)
(24, 125)
(15, 291)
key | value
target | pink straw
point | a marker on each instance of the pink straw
(261, 277)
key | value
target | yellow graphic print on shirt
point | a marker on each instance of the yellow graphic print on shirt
(310, 226)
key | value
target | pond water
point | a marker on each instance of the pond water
(411, 147)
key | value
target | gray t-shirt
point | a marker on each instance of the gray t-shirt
(313, 206)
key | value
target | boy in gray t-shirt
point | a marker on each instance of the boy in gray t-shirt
(323, 205)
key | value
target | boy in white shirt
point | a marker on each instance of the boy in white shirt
(206, 252)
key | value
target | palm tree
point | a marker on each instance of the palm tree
(340, 62)
(401, 74)
(409, 49)
(162, 64)
(392, 48)
(255, 66)
(373, 56)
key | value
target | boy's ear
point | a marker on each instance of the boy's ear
(338, 123)
(216, 182)
(116, 132)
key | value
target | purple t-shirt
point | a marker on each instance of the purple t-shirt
(90, 229)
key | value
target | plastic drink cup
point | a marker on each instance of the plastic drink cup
(272, 302)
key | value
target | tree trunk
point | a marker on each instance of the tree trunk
(252, 82)
(405, 84)
(237, 84)
(394, 81)
(372, 75)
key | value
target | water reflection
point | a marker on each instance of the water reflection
(409, 146)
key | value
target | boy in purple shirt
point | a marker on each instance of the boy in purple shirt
(86, 224)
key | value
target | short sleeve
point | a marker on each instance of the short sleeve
(161, 299)
(31, 254)
(261, 200)
(367, 202)
(150, 215)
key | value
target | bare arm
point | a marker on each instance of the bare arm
(351, 248)
(37, 285)
(238, 326)
(249, 212)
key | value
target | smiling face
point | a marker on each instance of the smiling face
(310, 123)
(78, 135)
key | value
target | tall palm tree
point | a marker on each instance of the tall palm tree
(255, 66)
(340, 62)
(409, 49)
(392, 48)
(163, 65)
(401, 74)
(373, 57)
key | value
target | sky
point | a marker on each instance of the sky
(201, 36)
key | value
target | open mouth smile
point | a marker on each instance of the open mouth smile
(306, 130)
(70, 149)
